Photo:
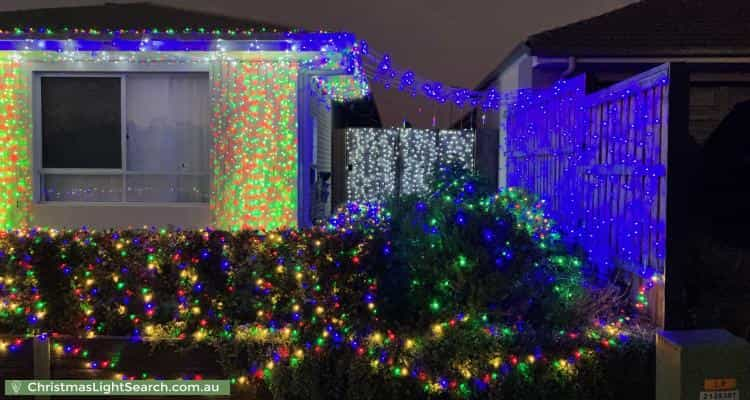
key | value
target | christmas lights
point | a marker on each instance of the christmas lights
(302, 293)
(341, 87)
(254, 159)
(380, 69)
(384, 162)
(254, 127)
(371, 158)
(599, 160)
(15, 138)
(419, 158)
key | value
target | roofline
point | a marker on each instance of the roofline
(645, 53)
(207, 13)
(240, 21)
(652, 55)
(518, 51)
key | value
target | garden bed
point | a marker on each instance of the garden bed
(461, 292)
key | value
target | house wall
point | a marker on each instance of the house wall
(516, 76)
(103, 216)
(322, 161)
(230, 205)
(130, 216)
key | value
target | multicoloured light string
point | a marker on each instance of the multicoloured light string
(301, 293)
(254, 127)
(341, 88)
(254, 159)
(15, 137)
(358, 59)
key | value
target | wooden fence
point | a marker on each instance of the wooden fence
(599, 160)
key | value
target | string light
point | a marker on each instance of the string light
(255, 165)
(294, 332)
(570, 148)
(371, 158)
(255, 158)
(423, 150)
(255, 144)
(381, 158)
(341, 87)
(15, 135)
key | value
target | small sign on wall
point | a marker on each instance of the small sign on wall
(720, 389)
(720, 395)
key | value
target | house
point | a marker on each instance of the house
(129, 115)
(704, 52)
(709, 39)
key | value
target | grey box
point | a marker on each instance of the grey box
(686, 359)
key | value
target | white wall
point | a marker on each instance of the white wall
(120, 216)
(514, 77)
(322, 158)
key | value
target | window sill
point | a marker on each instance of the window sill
(120, 215)
(117, 204)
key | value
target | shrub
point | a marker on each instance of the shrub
(462, 292)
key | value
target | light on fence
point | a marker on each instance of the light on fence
(384, 162)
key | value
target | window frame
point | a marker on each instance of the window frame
(105, 70)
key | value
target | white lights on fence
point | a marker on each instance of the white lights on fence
(371, 163)
(419, 152)
(385, 162)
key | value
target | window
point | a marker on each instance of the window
(132, 137)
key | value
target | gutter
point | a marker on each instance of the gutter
(539, 60)
(571, 68)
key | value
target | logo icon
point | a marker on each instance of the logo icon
(16, 386)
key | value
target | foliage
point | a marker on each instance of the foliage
(463, 292)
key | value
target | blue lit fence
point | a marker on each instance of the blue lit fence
(599, 161)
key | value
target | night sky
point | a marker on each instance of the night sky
(457, 42)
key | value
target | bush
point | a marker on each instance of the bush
(463, 292)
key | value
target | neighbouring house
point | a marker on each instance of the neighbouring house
(708, 40)
(138, 114)
(703, 51)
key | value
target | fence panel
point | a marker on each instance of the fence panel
(599, 160)
(386, 162)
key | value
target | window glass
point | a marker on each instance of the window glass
(93, 188)
(168, 188)
(167, 122)
(167, 139)
(81, 122)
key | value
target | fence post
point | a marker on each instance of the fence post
(41, 360)
(680, 192)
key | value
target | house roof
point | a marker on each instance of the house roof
(62, 21)
(653, 28)
(649, 28)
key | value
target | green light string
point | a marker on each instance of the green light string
(254, 127)
(15, 135)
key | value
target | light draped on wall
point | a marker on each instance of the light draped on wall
(254, 159)
(15, 139)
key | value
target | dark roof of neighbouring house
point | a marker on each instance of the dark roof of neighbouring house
(113, 16)
(649, 28)
(654, 27)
